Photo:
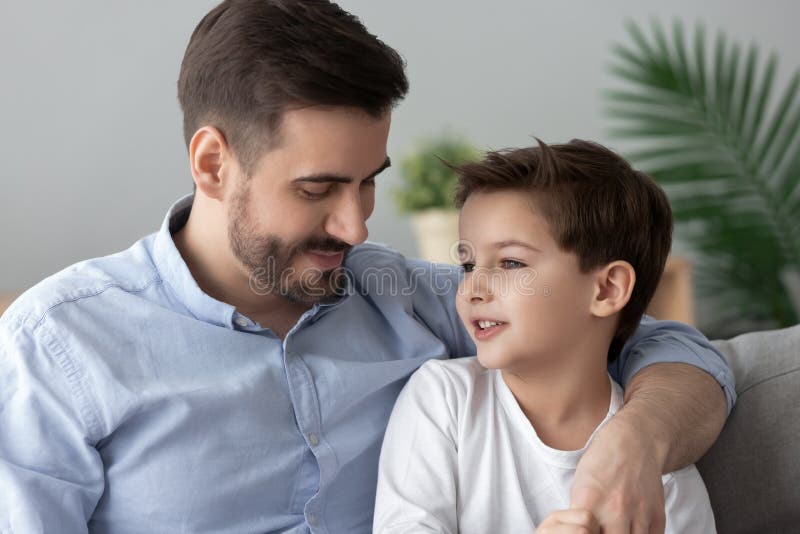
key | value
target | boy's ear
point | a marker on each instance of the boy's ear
(210, 159)
(613, 287)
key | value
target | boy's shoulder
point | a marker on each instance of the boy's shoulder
(460, 369)
(449, 391)
(458, 377)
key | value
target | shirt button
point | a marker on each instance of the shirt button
(312, 520)
(241, 321)
(313, 440)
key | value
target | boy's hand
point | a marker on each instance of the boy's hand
(569, 522)
(619, 480)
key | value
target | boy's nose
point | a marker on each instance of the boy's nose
(479, 286)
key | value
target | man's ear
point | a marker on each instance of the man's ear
(613, 287)
(209, 155)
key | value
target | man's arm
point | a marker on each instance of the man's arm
(681, 407)
(672, 415)
(673, 412)
(672, 342)
(50, 473)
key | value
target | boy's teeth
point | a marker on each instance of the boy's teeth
(486, 324)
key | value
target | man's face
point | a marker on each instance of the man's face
(293, 221)
(517, 276)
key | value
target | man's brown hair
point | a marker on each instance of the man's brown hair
(249, 61)
(596, 206)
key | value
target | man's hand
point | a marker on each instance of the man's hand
(619, 480)
(672, 415)
(569, 522)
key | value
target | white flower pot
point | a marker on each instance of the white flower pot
(436, 233)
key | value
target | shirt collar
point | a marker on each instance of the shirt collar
(174, 271)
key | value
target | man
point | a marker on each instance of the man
(234, 372)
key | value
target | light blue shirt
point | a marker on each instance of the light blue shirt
(132, 402)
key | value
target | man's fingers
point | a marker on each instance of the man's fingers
(658, 523)
(572, 519)
(649, 521)
(623, 491)
(568, 529)
(656, 529)
(619, 526)
(586, 496)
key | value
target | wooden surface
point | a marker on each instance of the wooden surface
(673, 299)
(5, 302)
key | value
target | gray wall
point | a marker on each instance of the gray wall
(90, 139)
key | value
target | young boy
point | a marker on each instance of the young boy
(562, 248)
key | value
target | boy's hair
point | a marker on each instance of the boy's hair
(596, 205)
(249, 61)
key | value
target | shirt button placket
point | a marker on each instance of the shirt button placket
(306, 406)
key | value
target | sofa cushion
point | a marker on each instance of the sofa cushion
(753, 470)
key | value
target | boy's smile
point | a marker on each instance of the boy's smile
(483, 329)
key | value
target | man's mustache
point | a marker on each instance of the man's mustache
(328, 244)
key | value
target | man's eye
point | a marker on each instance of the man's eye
(468, 267)
(315, 194)
(511, 264)
(369, 182)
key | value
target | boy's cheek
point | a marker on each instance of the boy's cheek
(462, 307)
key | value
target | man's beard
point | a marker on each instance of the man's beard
(269, 260)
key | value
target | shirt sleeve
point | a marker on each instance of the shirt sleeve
(672, 342)
(687, 505)
(418, 464)
(51, 475)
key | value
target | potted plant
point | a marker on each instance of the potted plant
(729, 159)
(427, 193)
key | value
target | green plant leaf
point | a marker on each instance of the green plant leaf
(731, 171)
(428, 183)
(761, 99)
(772, 145)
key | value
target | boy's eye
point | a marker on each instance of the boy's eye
(468, 267)
(369, 182)
(511, 264)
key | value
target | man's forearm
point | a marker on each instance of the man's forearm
(673, 412)
(680, 407)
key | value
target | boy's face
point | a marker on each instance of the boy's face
(517, 276)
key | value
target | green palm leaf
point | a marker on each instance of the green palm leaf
(709, 129)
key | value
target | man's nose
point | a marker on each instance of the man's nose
(348, 222)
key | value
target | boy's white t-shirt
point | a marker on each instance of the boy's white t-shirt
(459, 455)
